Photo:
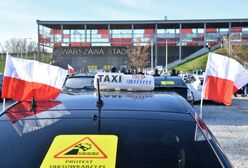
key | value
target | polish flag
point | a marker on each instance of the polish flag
(71, 70)
(27, 79)
(224, 76)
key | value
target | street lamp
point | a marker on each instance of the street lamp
(166, 52)
(166, 55)
(151, 54)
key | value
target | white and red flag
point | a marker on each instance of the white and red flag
(71, 70)
(27, 79)
(223, 77)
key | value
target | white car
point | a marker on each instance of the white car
(195, 84)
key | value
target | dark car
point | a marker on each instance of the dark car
(174, 84)
(79, 83)
(120, 129)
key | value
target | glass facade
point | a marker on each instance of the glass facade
(127, 37)
(178, 39)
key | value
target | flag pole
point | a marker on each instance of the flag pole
(4, 100)
(203, 86)
(201, 101)
(3, 104)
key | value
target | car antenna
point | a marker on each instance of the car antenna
(99, 104)
(33, 105)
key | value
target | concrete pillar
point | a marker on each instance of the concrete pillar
(205, 35)
(156, 45)
(180, 41)
(132, 34)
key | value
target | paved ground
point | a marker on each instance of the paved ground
(229, 124)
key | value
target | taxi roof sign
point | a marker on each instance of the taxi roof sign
(82, 150)
(121, 81)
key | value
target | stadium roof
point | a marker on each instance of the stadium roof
(145, 24)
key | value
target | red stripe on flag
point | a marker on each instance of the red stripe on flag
(219, 90)
(71, 70)
(21, 90)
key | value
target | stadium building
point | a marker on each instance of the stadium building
(90, 45)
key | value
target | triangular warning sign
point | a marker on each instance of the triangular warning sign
(84, 148)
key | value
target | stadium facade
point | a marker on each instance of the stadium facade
(91, 45)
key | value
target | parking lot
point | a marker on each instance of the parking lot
(229, 124)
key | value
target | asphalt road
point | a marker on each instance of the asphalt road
(229, 124)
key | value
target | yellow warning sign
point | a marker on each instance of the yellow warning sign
(98, 151)
(167, 82)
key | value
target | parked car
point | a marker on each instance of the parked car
(195, 84)
(174, 84)
(115, 129)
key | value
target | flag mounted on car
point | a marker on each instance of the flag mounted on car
(223, 77)
(71, 70)
(27, 79)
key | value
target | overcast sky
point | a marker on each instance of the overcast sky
(18, 17)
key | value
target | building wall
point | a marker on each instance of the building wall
(100, 57)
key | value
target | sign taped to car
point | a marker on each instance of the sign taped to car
(97, 151)
(167, 82)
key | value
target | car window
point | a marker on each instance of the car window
(162, 144)
(79, 83)
(142, 143)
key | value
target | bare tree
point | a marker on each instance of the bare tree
(20, 45)
(32, 47)
(12, 45)
(139, 55)
(236, 50)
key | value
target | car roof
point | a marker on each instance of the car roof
(149, 102)
(152, 101)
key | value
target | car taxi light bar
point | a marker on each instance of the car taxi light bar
(120, 81)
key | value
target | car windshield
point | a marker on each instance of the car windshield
(79, 82)
(154, 141)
